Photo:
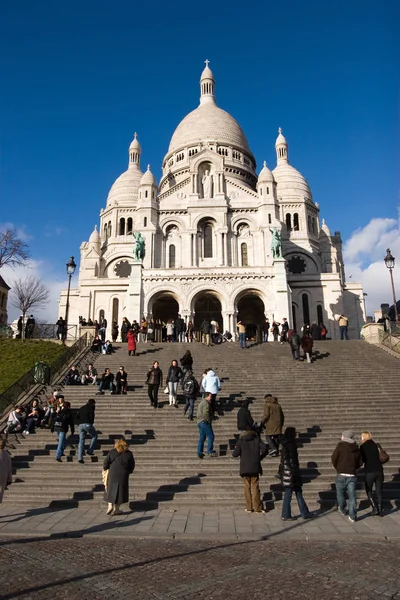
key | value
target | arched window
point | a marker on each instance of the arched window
(171, 258)
(288, 221)
(208, 240)
(145, 222)
(319, 314)
(306, 309)
(109, 229)
(261, 192)
(296, 222)
(105, 231)
(129, 226)
(313, 225)
(309, 223)
(146, 194)
(101, 316)
(122, 226)
(269, 219)
(267, 190)
(115, 306)
(243, 252)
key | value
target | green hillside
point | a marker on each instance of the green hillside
(18, 357)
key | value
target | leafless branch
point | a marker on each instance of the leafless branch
(13, 251)
(29, 293)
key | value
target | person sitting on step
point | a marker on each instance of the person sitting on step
(106, 382)
(72, 377)
(121, 380)
(90, 375)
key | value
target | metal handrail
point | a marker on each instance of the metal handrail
(14, 394)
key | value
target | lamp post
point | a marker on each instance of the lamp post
(389, 262)
(71, 266)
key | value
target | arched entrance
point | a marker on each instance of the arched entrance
(207, 305)
(251, 312)
(165, 307)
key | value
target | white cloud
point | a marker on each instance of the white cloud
(42, 270)
(364, 254)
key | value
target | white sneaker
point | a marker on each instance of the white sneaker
(26, 432)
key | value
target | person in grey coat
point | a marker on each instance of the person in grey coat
(120, 463)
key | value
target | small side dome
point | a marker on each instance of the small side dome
(95, 236)
(148, 178)
(265, 174)
(325, 228)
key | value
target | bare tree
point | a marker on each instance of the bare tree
(13, 251)
(27, 294)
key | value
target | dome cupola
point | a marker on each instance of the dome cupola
(207, 85)
(281, 147)
(134, 153)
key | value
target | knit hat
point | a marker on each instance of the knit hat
(349, 434)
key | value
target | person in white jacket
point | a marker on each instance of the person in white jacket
(212, 385)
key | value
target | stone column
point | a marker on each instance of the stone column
(134, 294)
(220, 258)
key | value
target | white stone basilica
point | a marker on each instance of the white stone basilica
(208, 228)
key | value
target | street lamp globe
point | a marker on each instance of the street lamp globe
(389, 259)
(71, 266)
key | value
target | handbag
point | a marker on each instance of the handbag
(383, 455)
(105, 478)
(166, 391)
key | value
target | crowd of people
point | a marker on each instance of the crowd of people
(57, 415)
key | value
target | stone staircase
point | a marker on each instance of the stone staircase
(350, 384)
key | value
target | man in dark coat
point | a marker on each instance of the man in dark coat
(206, 331)
(251, 451)
(346, 459)
(245, 421)
(85, 421)
(294, 342)
(273, 421)
(315, 331)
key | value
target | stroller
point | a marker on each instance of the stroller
(222, 338)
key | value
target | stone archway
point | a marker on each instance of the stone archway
(206, 304)
(251, 311)
(165, 307)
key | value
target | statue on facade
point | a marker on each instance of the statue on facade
(207, 183)
(139, 247)
(276, 243)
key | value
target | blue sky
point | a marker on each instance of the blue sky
(80, 77)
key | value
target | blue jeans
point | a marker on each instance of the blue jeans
(242, 340)
(62, 439)
(206, 431)
(173, 388)
(86, 428)
(189, 405)
(303, 508)
(343, 332)
(108, 386)
(347, 484)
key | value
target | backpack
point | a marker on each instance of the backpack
(190, 387)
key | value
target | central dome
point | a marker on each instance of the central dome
(208, 122)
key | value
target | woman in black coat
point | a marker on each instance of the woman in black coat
(174, 375)
(373, 472)
(120, 463)
(187, 361)
(289, 472)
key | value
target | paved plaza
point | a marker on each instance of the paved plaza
(166, 554)
(45, 568)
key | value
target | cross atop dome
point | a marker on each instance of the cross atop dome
(207, 62)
